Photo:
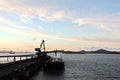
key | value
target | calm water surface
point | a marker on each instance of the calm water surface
(86, 67)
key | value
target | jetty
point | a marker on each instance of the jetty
(28, 65)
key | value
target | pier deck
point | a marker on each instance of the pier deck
(8, 68)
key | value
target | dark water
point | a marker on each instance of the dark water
(86, 67)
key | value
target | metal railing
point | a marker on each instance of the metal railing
(13, 58)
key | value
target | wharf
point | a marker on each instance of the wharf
(23, 69)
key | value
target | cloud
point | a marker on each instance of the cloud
(25, 20)
(55, 16)
(90, 21)
(24, 31)
(10, 29)
(27, 11)
(83, 21)
(5, 21)
(29, 32)
(109, 22)
(96, 40)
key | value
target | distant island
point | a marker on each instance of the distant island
(4, 51)
(100, 51)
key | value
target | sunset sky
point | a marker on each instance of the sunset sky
(63, 24)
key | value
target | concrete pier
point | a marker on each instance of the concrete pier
(20, 69)
(24, 69)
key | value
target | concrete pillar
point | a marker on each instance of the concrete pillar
(26, 57)
(20, 58)
(14, 59)
(7, 59)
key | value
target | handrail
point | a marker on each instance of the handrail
(17, 55)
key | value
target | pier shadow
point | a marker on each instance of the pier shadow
(49, 75)
(53, 72)
(54, 75)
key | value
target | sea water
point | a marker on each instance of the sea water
(85, 67)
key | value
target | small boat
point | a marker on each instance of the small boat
(12, 52)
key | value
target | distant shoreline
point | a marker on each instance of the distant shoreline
(100, 51)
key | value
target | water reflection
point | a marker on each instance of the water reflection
(49, 75)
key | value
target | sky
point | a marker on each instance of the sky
(63, 24)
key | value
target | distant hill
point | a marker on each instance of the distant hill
(6, 51)
(103, 51)
(100, 51)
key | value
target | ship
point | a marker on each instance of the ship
(52, 63)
